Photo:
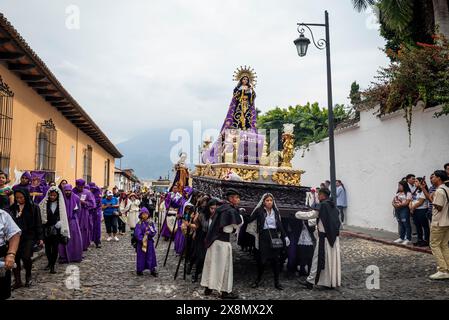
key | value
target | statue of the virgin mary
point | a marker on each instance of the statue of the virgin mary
(241, 116)
(242, 111)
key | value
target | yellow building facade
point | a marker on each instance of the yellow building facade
(42, 128)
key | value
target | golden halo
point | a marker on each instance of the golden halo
(248, 72)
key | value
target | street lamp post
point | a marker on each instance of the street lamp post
(302, 44)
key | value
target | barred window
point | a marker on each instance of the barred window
(46, 148)
(6, 99)
(87, 164)
(107, 170)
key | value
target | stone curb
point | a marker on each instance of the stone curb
(383, 241)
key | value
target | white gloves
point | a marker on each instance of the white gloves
(287, 241)
(58, 225)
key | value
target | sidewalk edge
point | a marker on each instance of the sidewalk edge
(383, 241)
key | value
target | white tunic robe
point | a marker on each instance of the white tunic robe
(131, 212)
(218, 266)
(331, 275)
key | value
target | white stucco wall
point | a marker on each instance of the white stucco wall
(373, 157)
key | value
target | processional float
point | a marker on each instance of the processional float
(242, 157)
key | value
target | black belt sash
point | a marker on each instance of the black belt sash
(321, 255)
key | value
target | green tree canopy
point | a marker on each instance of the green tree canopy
(311, 121)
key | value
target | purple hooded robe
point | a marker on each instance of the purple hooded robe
(73, 250)
(87, 204)
(171, 201)
(146, 254)
(27, 175)
(180, 239)
(96, 214)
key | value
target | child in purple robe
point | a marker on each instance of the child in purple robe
(144, 233)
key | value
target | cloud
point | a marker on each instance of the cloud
(145, 64)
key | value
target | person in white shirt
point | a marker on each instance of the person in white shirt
(9, 242)
(411, 181)
(419, 207)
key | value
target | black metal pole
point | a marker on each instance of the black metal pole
(330, 111)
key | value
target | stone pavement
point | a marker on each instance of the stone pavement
(109, 273)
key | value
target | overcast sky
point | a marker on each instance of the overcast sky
(139, 64)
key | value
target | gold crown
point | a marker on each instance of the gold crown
(246, 72)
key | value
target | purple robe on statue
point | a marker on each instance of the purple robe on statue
(146, 258)
(73, 250)
(87, 204)
(96, 214)
(241, 115)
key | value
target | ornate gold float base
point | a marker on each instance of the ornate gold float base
(250, 173)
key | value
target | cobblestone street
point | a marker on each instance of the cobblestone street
(109, 273)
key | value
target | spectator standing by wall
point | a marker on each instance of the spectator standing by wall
(401, 203)
(419, 207)
(342, 202)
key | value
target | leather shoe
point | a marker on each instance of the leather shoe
(229, 295)
(305, 283)
(207, 292)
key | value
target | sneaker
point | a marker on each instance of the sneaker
(439, 276)
(406, 242)
(399, 240)
(109, 239)
(115, 238)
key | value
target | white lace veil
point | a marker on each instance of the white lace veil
(65, 231)
(252, 226)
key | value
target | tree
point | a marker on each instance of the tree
(355, 96)
(311, 122)
(408, 21)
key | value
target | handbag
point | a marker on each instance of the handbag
(276, 243)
